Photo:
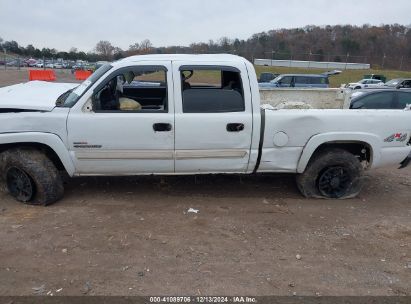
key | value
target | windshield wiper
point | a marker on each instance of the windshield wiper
(62, 98)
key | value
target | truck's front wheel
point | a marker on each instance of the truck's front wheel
(31, 177)
(333, 173)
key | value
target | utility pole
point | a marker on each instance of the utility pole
(346, 60)
(309, 58)
(383, 61)
(402, 60)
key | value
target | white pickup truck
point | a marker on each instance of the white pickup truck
(185, 114)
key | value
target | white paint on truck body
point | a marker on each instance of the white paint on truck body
(90, 143)
(308, 129)
(33, 95)
(196, 133)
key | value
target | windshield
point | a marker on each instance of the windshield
(393, 82)
(70, 98)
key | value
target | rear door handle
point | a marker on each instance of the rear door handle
(162, 127)
(235, 127)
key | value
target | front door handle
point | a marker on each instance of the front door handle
(235, 127)
(162, 127)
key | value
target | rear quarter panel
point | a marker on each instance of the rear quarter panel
(305, 130)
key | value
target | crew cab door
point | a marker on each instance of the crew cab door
(126, 125)
(213, 118)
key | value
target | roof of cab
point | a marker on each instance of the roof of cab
(184, 57)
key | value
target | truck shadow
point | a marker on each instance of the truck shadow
(200, 185)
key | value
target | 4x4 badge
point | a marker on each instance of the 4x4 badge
(396, 137)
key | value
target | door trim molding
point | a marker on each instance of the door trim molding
(159, 154)
(196, 154)
(124, 154)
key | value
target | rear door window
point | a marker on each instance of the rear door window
(319, 80)
(286, 81)
(302, 80)
(211, 89)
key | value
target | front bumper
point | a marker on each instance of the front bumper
(405, 162)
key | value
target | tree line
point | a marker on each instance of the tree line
(384, 45)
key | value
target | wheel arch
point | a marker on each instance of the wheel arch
(354, 143)
(50, 144)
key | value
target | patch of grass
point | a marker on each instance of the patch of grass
(335, 81)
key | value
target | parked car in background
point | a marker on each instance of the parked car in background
(68, 64)
(100, 63)
(381, 99)
(365, 83)
(267, 77)
(39, 64)
(11, 63)
(16, 63)
(49, 65)
(399, 83)
(298, 81)
(31, 62)
(90, 67)
(331, 73)
(376, 76)
(58, 65)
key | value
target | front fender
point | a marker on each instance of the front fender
(51, 140)
(372, 140)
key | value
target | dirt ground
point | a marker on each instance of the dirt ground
(14, 75)
(252, 235)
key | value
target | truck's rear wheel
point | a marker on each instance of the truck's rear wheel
(333, 173)
(31, 177)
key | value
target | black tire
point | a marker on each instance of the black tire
(332, 173)
(30, 176)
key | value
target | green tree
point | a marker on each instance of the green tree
(30, 50)
(12, 47)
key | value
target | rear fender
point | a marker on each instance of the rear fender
(371, 140)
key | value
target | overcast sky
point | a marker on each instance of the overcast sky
(63, 24)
